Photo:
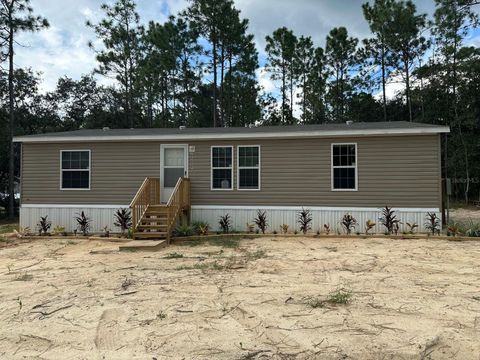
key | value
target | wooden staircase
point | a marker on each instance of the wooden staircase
(153, 220)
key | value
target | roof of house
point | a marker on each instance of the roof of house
(290, 131)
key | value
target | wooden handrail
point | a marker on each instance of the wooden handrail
(148, 194)
(178, 202)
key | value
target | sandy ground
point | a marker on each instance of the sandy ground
(266, 299)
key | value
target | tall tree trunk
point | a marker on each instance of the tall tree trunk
(407, 84)
(284, 84)
(291, 91)
(11, 163)
(214, 43)
(383, 84)
(222, 74)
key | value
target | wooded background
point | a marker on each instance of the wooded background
(198, 69)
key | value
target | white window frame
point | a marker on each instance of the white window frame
(89, 170)
(221, 168)
(343, 167)
(259, 167)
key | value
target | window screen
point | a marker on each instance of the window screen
(344, 167)
(222, 169)
(75, 169)
(248, 167)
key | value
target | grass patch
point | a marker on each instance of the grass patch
(161, 315)
(8, 228)
(24, 277)
(259, 254)
(220, 241)
(339, 297)
(173, 255)
(198, 266)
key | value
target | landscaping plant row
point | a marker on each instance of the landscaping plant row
(348, 223)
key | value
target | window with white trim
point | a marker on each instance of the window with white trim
(344, 167)
(75, 169)
(248, 167)
(222, 168)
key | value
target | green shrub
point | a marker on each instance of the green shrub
(184, 230)
(201, 227)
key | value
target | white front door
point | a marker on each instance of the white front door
(173, 165)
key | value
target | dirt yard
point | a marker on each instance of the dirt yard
(253, 299)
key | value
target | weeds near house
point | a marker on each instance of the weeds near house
(106, 232)
(83, 223)
(349, 223)
(304, 219)
(201, 227)
(369, 225)
(123, 219)
(261, 221)
(44, 225)
(389, 220)
(453, 229)
(8, 228)
(411, 227)
(326, 228)
(225, 223)
(174, 255)
(250, 228)
(284, 228)
(433, 223)
(184, 230)
(59, 230)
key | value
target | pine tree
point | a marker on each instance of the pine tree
(280, 50)
(120, 34)
(379, 17)
(15, 16)
(406, 41)
(341, 57)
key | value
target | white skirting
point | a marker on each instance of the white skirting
(63, 215)
(278, 215)
(103, 215)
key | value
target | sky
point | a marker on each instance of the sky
(63, 48)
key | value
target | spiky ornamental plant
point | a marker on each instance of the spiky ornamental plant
(123, 219)
(433, 223)
(389, 220)
(348, 223)
(304, 219)
(326, 228)
(83, 223)
(225, 223)
(261, 221)
(369, 225)
(44, 225)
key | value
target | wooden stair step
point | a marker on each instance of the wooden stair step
(151, 234)
(153, 219)
(161, 226)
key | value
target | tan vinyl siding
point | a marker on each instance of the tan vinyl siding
(401, 171)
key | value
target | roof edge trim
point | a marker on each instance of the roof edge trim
(237, 136)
